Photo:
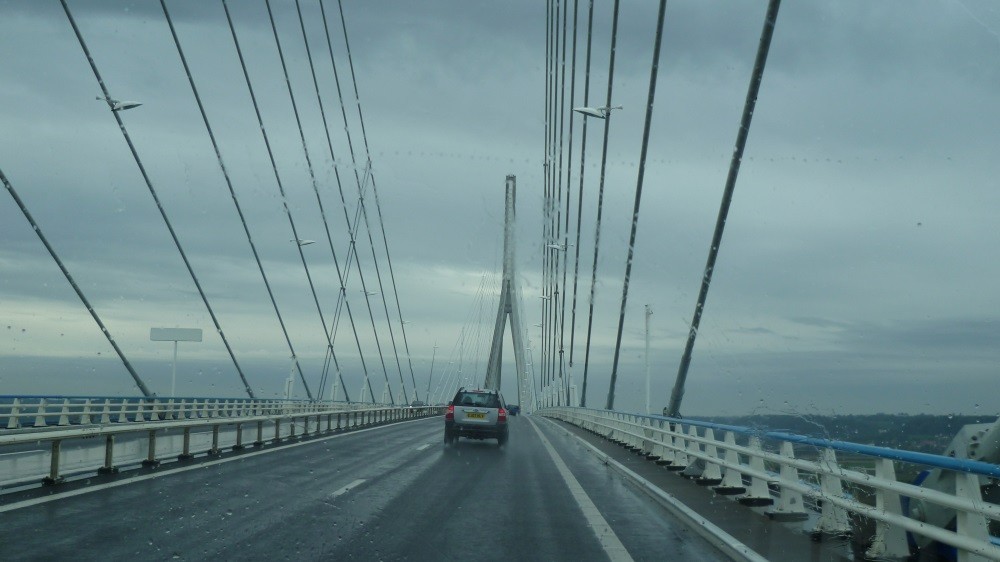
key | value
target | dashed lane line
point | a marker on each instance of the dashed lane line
(348, 488)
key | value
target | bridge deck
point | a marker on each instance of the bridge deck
(393, 492)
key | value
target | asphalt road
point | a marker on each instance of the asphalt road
(388, 493)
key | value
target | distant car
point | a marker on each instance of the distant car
(513, 409)
(416, 404)
(476, 414)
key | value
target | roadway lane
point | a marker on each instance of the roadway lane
(391, 493)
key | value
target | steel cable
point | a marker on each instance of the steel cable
(229, 184)
(156, 198)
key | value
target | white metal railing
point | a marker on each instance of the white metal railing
(737, 463)
(18, 412)
(35, 421)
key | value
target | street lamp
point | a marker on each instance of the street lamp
(598, 112)
(116, 105)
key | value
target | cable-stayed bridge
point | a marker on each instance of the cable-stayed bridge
(330, 445)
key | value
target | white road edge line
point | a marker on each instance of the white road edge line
(168, 472)
(424, 446)
(726, 543)
(348, 488)
(605, 534)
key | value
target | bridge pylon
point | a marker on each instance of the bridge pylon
(509, 308)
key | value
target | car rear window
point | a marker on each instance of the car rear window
(481, 399)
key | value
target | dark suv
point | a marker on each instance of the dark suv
(476, 414)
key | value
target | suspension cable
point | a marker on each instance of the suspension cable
(557, 230)
(312, 178)
(274, 167)
(579, 200)
(757, 75)
(352, 250)
(600, 204)
(565, 244)
(229, 184)
(326, 225)
(76, 288)
(638, 198)
(378, 205)
(156, 198)
(553, 18)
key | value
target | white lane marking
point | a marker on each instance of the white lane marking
(708, 530)
(348, 488)
(424, 446)
(605, 534)
(140, 478)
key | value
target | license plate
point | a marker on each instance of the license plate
(475, 415)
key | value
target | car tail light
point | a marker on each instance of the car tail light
(501, 415)
(450, 414)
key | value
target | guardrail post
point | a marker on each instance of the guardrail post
(122, 412)
(663, 454)
(14, 419)
(732, 479)
(712, 475)
(151, 457)
(319, 424)
(260, 434)
(305, 425)
(186, 452)
(40, 414)
(967, 523)
(789, 506)
(695, 465)
(759, 494)
(215, 441)
(329, 423)
(648, 445)
(291, 427)
(138, 411)
(833, 518)
(239, 437)
(890, 540)
(679, 446)
(338, 421)
(106, 412)
(85, 414)
(154, 410)
(277, 430)
(53, 477)
(109, 455)
(64, 413)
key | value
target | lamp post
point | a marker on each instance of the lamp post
(431, 375)
(175, 335)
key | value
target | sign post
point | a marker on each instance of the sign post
(175, 335)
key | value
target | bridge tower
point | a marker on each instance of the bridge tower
(510, 305)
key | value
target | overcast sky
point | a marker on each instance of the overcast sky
(858, 272)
